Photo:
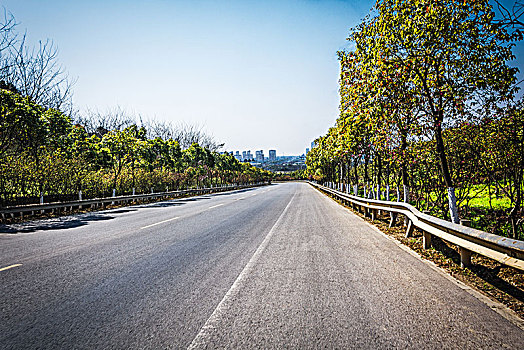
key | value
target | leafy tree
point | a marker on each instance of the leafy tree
(454, 58)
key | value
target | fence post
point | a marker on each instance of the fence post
(465, 254)
(80, 195)
(41, 201)
(114, 195)
(387, 192)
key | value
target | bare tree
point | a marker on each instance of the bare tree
(511, 18)
(37, 74)
(7, 39)
(101, 122)
(158, 128)
(186, 134)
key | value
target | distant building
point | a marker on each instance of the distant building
(259, 156)
(272, 155)
(238, 156)
(313, 144)
(307, 151)
(249, 157)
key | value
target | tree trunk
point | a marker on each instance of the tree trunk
(366, 161)
(452, 199)
(355, 166)
(379, 174)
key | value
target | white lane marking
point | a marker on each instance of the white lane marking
(158, 223)
(10, 267)
(202, 338)
(218, 205)
(240, 198)
(254, 194)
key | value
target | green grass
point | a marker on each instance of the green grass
(490, 218)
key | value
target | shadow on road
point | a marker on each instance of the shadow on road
(159, 205)
(231, 192)
(76, 220)
(58, 223)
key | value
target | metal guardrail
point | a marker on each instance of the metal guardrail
(98, 202)
(502, 249)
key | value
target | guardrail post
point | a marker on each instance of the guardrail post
(409, 230)
(393, 218)
(373, 214)
(465, 254)
(426, 240)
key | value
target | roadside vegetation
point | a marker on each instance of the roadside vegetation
(430, 114)
(48, 149)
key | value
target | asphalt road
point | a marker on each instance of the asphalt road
(280, 266)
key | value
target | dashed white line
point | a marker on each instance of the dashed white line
(160, 222)
(214, 206)
(10, 267)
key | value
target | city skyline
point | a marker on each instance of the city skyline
(243, 153)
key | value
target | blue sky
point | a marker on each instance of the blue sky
(255, 74)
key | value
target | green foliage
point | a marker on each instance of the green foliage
(426, 102)
(41, 151)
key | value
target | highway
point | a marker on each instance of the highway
(280, 266)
